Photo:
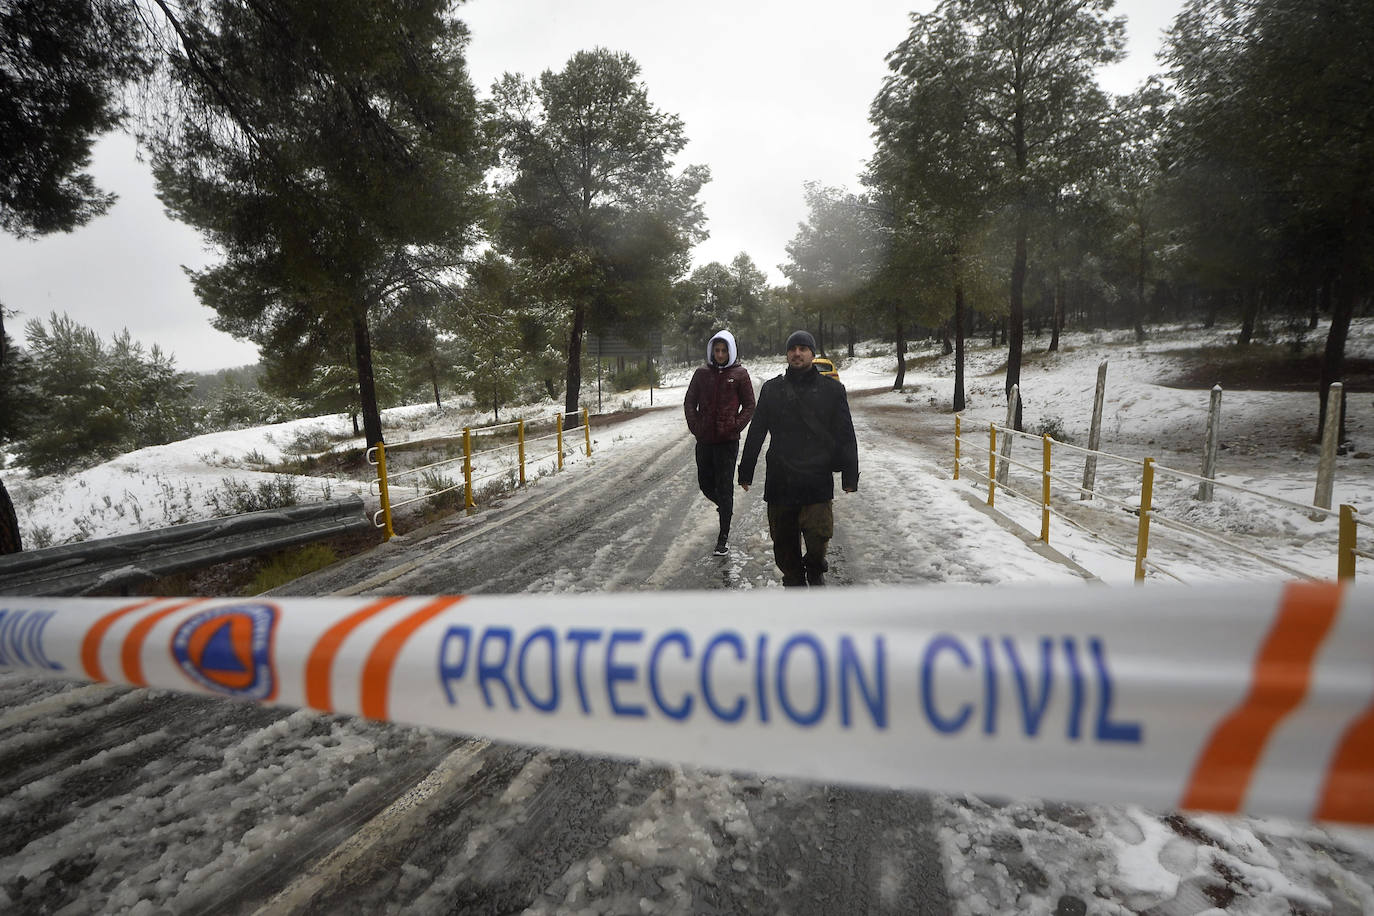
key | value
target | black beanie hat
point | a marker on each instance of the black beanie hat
(802, 339)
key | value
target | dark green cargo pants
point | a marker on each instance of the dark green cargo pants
(790, 527)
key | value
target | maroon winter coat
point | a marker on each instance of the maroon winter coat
(720, 399)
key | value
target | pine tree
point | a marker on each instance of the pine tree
(99, 400)
(592, 205)
(331, 153)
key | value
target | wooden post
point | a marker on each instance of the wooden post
(1345, 553)
(1331, 433)
(956, 446)
(1013, 401)
(1209, 453)
(992, 460)
(1045, 494)
(1142, 537)
(587, 430)
(468, 502)
(559, 424)
(1094, 434)
(520, 435)
(387, 531)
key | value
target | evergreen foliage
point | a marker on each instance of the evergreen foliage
(18, 400)
(99, 400)
(834, 256)
(1272, 149)
(411, 342)
(330, 151)
(238, 406)
(590, 202)
(64, 65)
(718, 296)
(506, 350)
(1016, 117)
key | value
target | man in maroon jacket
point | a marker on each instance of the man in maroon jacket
(719, 404)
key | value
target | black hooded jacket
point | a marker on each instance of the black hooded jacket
(802, 455)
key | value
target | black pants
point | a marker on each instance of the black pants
(790, 526)
(716, 477)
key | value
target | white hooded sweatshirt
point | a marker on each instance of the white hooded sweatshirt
(729, 342)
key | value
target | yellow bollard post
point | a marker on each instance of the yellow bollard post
(956, 446)
(559, 420)
(520, 433)
(1045, 508)
(1345, 553)
(992, 460)
(1142, 537)
(587, 430)
(387, 531)
(468, 502)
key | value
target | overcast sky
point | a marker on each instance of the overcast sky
(773, 93)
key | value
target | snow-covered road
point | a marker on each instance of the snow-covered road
(141, 801)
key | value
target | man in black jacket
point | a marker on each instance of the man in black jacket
(807, 415)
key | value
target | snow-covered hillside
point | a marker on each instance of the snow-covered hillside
(133, 817)
(1265, 446)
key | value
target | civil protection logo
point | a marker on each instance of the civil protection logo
(229, 650)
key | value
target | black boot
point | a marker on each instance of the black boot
(815, 571)
(721, 549)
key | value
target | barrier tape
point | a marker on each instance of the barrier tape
(1256, 698)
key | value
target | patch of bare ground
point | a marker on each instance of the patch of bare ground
(235, 577)
(1260, 367)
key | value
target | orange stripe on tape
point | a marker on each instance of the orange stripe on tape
(1280, 678)
(376, 683)
(132, 652)
(1349, 791)
(90, 645)
(319, 666)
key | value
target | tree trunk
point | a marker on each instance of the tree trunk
(1343, 308)
(10, 541)
(850, 329)
(1017, 313)
(570, 397)
(1057, 323)
(9, 524)
(434, 377)
(947, 342)
(958, 347)
(1016, 317)
(1250, 304)
(901, 358)
(367, 385)
(1057, 283)
(1140, 288)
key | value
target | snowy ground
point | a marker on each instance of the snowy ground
(995, 856)
(1264, 438)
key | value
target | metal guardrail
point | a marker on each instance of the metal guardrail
(116, 563)
(377, 456)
